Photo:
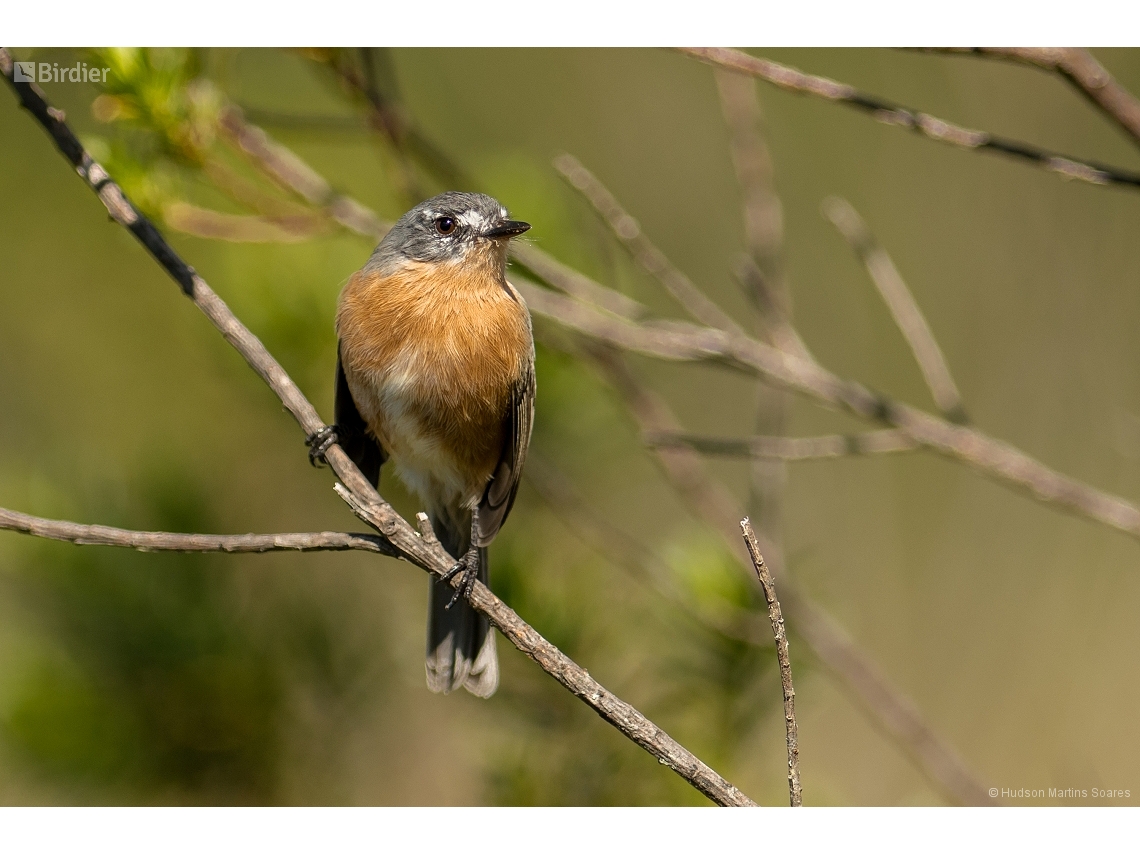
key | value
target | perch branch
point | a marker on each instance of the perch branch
(165, 541)
(1082, 70)
(781, 635)
(895, 293)
(794, 80)
(356, 491)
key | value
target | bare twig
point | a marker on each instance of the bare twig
(902, 305)
(293, 174)
(570, 281)
(241, 228)
(387, 117)
(1081, 69)
(643, 250)
(788, 447)
(886, 706)
(356, 491)
(685, 342)
(165, 541)
(777, 618)
(794, 80)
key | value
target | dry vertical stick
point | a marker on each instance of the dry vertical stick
(778, 629)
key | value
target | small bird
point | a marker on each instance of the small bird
(435, 371)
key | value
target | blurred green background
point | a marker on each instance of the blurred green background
(298, 679)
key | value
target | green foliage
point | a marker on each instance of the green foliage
(158, 683)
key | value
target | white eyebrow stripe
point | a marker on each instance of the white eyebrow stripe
(474, 219)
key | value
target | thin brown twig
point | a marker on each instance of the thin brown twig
(901, 303)
(1082, 70)
(885, 705)
(688, 343)
(166, 541)
(354, 488)
(644, 251)
(790, 448)
(291, 173)
(241, 228)
(931, 127)
(775, 615)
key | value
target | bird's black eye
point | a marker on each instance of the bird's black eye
(445, 225)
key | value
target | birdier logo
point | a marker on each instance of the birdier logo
(52, 72)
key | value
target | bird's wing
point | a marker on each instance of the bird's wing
(352, 432)
(500, 493)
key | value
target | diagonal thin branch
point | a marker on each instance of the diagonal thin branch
(1082, 70)
(931, 127)
(356, 491)
(643, 250)
(895, 293)
(787, 447)
(165, 541)
(887, 707)
(775, 615)
(688, 343)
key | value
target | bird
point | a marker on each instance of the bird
(435, 373)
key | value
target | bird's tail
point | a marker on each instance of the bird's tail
(460, 642)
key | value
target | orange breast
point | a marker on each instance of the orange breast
(431, 354)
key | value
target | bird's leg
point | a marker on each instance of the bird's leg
(319, 442)
(468, 565)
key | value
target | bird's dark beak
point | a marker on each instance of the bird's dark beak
(508, 229)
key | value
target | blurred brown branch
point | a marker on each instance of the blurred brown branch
(931, 127)
(640, 247)
(895, 293)
(778, 630)
(886, 705)
(787, 447)
(1082, 70)
(687, 343)
(356, 491)
(165, 541)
